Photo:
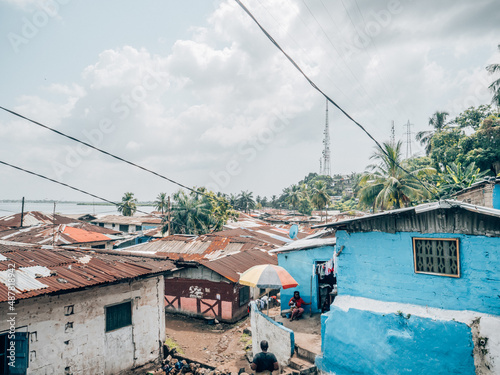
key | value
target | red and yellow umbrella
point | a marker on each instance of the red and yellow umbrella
(267, 276)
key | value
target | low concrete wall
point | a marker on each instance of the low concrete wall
(281, 339)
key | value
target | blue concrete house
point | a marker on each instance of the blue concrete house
(418, 293)
(301, 259)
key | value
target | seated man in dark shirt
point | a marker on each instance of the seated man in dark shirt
(264, 361)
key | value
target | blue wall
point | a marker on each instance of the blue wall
(380, 266)
(496, 196)
(299, 264)
(363, 342)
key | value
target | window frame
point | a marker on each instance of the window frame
(114, 305)
(451, 239)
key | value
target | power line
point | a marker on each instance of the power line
(105, 152)
(82, 191)
(341, 56)
(326, 96)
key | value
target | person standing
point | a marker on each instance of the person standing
(295, 304)
(264, 362)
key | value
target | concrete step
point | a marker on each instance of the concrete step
(304, 353)
(302, 366)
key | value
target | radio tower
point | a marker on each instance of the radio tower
(408, 126)
(326, 151)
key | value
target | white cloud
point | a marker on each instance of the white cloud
(190, 111)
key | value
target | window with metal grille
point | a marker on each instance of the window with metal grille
(437, 256)
(118, 316)
(123, 228)
(244, 295)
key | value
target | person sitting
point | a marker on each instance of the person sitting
(295, 304)
(264, 362)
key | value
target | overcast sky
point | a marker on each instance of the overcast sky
(195, 91)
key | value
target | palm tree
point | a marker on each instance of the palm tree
(495, 85)
(245, 201)
(190, 214)
(438, 122)
(274, 201)
(319, 196)
(128, 206)
(161, 202)
(387, 185)
(294, 197)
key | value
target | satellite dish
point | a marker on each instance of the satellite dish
(294, 230)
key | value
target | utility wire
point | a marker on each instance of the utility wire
(326, 96)
(105, 152)
(66, 185)
(83, 191)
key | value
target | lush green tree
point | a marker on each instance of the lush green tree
(346, 205)
(161, 202)
(457, 177)
(319, 195)
(274, 201)
(264, 202)
(387, 186)
(245, 201)
(483, 147)
(295, 196)
(438, 123)
(305, 206)
(495, 85)
(445, 147)
(473, 117)
(128, 205)
(199, 213)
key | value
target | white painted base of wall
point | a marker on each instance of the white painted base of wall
(483, 325)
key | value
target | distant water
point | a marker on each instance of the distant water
(9, 208)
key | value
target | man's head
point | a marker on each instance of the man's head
(264, 345)
(296, 294)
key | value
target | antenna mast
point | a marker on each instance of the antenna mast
(408, 139)
(393, 135)
(326, 170)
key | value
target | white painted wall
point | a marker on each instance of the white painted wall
(280, 339)
(483, 325)
(87, 348)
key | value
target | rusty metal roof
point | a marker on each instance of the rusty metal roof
(128, 220)
(46, 234)
(208, 246)
(44, 271)
(33, 218)
(231, 266)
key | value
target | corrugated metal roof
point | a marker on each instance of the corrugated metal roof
(33, 218)
(59, 235)
(209, 246)
(128, 220)
(233, 265)
(306, 243)
(67, 269)
(437, 217)
(24, 281)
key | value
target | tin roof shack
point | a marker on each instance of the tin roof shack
(485, 193)
(417, 293)
(63, 234)
(205, 288)
(81, 312)
(310, 262)
(128, 224)
(210, 288)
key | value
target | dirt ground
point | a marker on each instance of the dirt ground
(223, 345)
(220, 345)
